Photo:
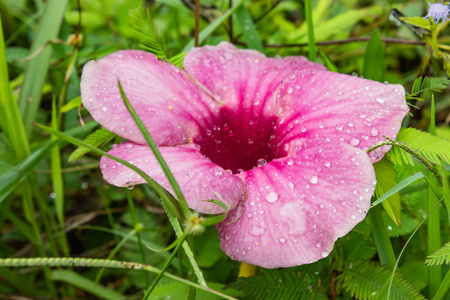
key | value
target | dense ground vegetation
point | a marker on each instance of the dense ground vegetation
(54, 201)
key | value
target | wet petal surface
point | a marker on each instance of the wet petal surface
(340, 108)
(172, 106)
(298, 206)
(198, 178)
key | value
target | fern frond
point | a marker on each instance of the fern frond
(98, 138)
(366, 280)
(178, 59)
(149, 37)
(280, 284)
(429, 146)
(421, 85)
(439, 257)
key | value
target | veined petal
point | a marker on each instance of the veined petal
(170, 104)
(242, 79)
(340, 108)
(298, 206)
(198, 178)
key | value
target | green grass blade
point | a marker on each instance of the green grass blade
(14, 176)
(400, 186)
(311, 36)
(37, 67)
(374, 58)
(212, 26)
(249, 32)
(10, 122)
(86, 284)
(151, 143)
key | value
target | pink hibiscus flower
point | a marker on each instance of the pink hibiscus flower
(281, 141)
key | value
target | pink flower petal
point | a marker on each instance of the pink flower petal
(340, 108)
(242, 79)
(298, 206)
(171, 105)
(198, 178)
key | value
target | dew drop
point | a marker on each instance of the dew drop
(324, 253)
(282, 240)
(256, 231)
(314, 179)
(354, 141)
(291, 161)
(374, 181)
(339, 127)
(272, 197)
(374, 132)
(318, 244)
(286, 147)
(240, 171)
(353, 217)
(261, 162)
(290, 90)
(129, 146)
(104, 108)
(130, 187)
(250, 141)
(291, 186)
(380, 100)
(327, 164)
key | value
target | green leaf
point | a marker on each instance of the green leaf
(440, 257)
(417, 21)
(281, 284)
(421, 85)
(144, 29)
(86, 284)
(178, 59)
(249, 32)
(366, 280)
(386, 180)
(409, 224)
(374, 58)
(328, 62)
(76, 102)
(98, 138)
(429, 146)
(357, 246)
(399, 187)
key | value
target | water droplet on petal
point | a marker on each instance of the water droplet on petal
(374, 181)
(291, 186)
(282, 240)
(130, 187)
(327, 164)
(339, 127)
(314, 179)
(272, 197)
(104, 108)
(380, 100)
(318, 244)
(354, 141)
(353, 217)
(256, 230)
(290, 90)
(129, 146)
(240, 171)
(261, 162)
(324, 253)
(291, 161)
(374, 132)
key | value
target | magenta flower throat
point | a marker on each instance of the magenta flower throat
(281, 141)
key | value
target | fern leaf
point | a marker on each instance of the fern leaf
(429, 146)
(280, 284)
(439, 257)
(421, 85)
(366, 280)
(97, 139)
(147, 34)
(178, 59)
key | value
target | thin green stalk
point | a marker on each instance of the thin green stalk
(151, 143)
(137, 228)
(311, 38)
(434, 224)
(443, 288)
(382, 240)
(166, 265)
(99, 263)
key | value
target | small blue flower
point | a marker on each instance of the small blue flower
(438, 11)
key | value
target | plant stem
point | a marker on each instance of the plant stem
(311, 38)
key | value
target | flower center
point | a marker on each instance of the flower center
(239, 142)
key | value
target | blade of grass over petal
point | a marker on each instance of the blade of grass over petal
(400, 186)
(37, 67)
(249, 32)
(213, 26)
(151, 143)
